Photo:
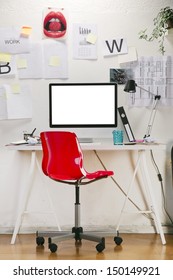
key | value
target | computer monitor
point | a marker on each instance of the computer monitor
(82, 105)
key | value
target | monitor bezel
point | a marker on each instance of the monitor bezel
(51, 125)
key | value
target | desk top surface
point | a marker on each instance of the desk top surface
(97, 144)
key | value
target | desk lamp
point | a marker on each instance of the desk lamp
(131, 88)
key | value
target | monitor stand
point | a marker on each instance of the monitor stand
(85, 140)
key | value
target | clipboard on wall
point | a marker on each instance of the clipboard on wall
(126, 124)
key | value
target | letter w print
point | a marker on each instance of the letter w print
(114, 47)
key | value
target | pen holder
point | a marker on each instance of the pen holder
(117, 137)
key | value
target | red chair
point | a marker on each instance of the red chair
(63, 162)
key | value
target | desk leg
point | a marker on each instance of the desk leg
(153, 205)
(49, 198)
(129, 189)
(27, 190)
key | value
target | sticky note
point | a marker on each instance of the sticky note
(26, 31)
(91, 38)
(54, 61)
(5, 57)
(21, 63)
(15, 88)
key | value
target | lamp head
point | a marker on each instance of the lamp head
(130, 86)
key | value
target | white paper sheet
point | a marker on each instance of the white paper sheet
(55, 60)
(115, 46)
(12, 42)
(155, 75)
(15, 104)
(8, 69)
(3, 104)
(30, 65)
(84, 41)
(129, 57)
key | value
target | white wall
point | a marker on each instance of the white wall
(102, 200)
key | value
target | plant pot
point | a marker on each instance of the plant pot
(170, 23)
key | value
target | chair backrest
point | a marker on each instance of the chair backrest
(62, 155)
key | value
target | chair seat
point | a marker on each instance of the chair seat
(90, 176)
(99, 174)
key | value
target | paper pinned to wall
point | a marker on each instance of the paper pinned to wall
(3, 104)
(55, 60)
(12, 42)
(129, 57)
(84, 41)
(115, 46)
(15, 106)
(30, 65)
(8, 69)
(154, 74)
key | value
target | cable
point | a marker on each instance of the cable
(136, 206)
(161, 183)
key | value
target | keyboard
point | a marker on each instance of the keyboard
(85, 140)
(90, 143)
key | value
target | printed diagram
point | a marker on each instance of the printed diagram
(155, 76)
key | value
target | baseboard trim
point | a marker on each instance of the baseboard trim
(107, 230)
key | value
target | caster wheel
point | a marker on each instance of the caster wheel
(100, 247)
(118, 240)
(53, 247)
(40, 240)
(78, 242)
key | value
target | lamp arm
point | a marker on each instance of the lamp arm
(131, 87)
(152, 116)
(155, 96)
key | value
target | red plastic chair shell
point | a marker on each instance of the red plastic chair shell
(63, 157)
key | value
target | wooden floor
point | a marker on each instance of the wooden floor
(134, 247)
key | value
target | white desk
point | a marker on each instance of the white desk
(100, 145)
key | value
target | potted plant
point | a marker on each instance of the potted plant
(162, 22)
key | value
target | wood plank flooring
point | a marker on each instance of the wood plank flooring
(134, 247)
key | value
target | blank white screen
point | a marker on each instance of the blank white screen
(82, 105)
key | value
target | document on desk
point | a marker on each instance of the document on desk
(19, 142)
